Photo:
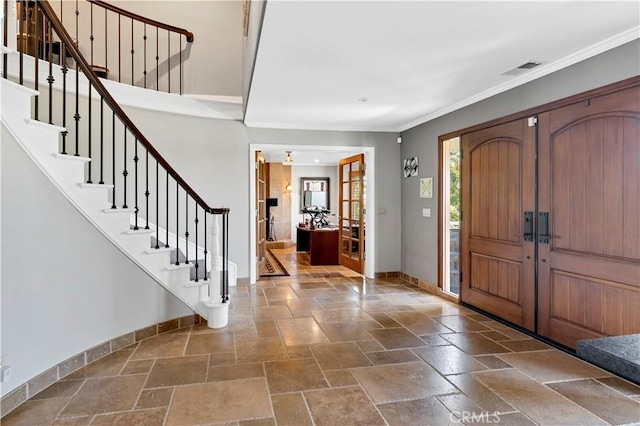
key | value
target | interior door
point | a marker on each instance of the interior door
(261, 213)
(589, 202)
(497, 248)
(351, 212)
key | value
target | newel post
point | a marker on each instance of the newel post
(217, 312)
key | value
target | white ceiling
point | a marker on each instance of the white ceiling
(391, 65)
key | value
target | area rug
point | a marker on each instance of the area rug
(272, 267)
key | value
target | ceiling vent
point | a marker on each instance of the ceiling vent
(522, 68)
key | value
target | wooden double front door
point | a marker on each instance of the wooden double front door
(551, 219)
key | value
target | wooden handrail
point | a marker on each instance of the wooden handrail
(187, 34)
(71, 47)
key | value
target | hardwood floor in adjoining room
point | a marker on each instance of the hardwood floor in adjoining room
(325, 346)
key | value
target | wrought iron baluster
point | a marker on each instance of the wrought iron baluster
(145, 55)
(157, 61)
(196, 222)
(76, 116)
(36, 56)
(177, 224)
(205, 246)
(132, 52)
(65, 69)
(89, 134)
(101, 140)
(5, 32)
(166, 244)
(135, 181)
(106, 41)
(125, 173)
(113, 160)
(50, 78)
(186, 228)
(157, 206)
(91, 35)
(168, 61)
(180, 38)
(119, 48)
(146, 192)
(23, 16)
(225, 248)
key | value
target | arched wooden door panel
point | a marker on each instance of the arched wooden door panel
(589, 269)
(498, 184)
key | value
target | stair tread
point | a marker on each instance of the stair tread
(70, 157)
(159, 250)
(140, 231)
(180, 266)
(200, 283)
(116, 210)
(95, 186)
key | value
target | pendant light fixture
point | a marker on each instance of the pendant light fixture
(288, 160)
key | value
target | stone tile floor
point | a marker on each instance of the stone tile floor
(327, 347)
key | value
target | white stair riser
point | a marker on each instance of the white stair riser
(20, 104)
(136, 244)
(179, 276)
(157, 261)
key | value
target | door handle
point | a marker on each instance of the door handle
(528, 226)
(543, 228)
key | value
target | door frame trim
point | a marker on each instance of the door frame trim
(369, 159)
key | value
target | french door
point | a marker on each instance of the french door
(261, 212)
(557, 195)
(351, 212)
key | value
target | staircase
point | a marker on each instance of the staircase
(198, 273)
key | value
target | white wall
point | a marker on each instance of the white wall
(298, 172)
(65, 287)
(420, 234)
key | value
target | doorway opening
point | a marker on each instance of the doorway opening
(304, 155)
(450, 215)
